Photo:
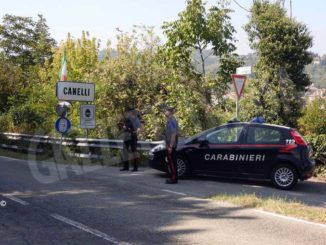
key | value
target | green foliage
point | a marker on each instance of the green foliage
(24, 41)
(5, 124)
(44, 43)
(196, 31)
(11, 83)
(281, 42)
(282, 45)
(313, 121)
(313, 125)
(25, 47)
(277, 103)
(140, 72)
(133, 78)
(318, 144)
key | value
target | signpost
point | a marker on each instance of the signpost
(239, 82)
(87, 116)
(244, 70)
(62, 125)
(75, 91)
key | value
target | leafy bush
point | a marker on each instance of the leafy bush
(26, 117)
(313, 121)
(5, 123)
(318, 144)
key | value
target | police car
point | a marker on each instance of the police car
(242, 150)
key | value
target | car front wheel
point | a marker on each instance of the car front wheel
(284, 177)
(183, 167)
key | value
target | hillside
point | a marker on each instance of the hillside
(316, 70)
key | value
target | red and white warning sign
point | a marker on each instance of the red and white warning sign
(239, 82)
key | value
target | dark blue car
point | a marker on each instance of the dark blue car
(243, 150)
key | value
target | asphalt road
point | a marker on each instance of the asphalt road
(57, 204)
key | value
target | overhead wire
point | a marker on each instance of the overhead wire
(241, 6)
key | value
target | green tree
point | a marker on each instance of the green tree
(133, 77)
(25, 47)
(11, 83)
(44, 44)
(24, 41)
(16, 39)
(282, 45)
(313, 121)
(203, 32)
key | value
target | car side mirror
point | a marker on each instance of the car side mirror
(202, 142)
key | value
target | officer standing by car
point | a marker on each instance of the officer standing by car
(171, 138)
(131, 127)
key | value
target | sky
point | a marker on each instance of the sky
(101, 17)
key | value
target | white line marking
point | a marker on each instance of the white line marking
(290, 218)
(174, 192)
(254, 186)
(15, 199)
(87, 229)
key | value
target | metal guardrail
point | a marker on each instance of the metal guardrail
(35, 141)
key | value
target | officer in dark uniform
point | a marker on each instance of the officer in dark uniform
(171, 138)
(130, 126)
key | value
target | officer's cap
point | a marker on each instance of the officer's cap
(169, 109)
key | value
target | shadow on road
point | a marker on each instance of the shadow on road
(308, 192)
(127, 204)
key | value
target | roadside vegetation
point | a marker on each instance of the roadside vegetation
(277, 205)
(141, 71)
(313, 125)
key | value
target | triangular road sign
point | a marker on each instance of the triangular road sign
(239, 82)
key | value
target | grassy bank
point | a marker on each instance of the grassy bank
(277, 205)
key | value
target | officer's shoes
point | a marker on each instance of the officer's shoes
(134, 170)
(168, 181)
(124, 169)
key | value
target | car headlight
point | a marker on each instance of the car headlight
(158, 148)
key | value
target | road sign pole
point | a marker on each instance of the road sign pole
(237, 107)
(86, 128)
(60, 146)
(62, 125)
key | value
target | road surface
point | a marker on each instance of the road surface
(56, 204)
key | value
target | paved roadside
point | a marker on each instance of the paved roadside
(100, 205)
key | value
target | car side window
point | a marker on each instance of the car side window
(259, 135)
(227, 135)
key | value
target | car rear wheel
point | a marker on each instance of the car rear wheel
(183, 167)
(284, 177)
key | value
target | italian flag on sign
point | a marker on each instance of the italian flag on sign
(63, 70)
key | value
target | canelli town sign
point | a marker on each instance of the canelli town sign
(75, 91)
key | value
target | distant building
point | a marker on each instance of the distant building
(230, 95)
(314, 93)
(316, 61)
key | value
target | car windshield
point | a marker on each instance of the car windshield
(199, 135)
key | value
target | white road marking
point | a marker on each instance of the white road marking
(254, 186)
(290, 218)
(16, 199)
(85, 228)
(174, 192)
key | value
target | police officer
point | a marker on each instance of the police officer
(171, 137)
(131, 127)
